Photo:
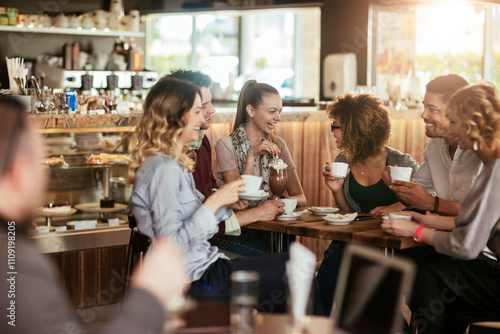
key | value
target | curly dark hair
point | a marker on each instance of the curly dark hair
(365, 122)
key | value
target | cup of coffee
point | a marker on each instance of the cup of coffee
(290, 205)
(338, 169)
(400, 215)
(252, 183)
(401, 173)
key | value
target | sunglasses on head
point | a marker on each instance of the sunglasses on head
(335, 126)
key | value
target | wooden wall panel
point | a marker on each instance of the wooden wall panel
(293, 133)
(93, 277)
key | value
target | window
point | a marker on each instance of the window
(269, 46)
(414, 44)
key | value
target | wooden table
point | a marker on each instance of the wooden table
(210, 317)
(366, 232)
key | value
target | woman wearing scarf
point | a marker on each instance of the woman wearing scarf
(258, 112)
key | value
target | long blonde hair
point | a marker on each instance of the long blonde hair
(252, 94)
(162, 123)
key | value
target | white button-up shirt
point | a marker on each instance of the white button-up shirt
(448, 179)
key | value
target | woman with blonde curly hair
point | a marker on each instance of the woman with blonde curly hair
(462, 289)
(165, 201)
(361, 127)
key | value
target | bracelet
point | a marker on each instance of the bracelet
(418, 234)
(436, 205)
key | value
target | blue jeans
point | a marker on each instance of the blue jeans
(215, 283)
(249, 243)
(328, 274)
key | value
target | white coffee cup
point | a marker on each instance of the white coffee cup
(74, 21)
(400, 215)
(401, 173)
(61, 21)
(338, 169)
(290, 204)
(87, 22)
(252, 183)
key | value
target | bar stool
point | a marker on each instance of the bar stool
(137, 248)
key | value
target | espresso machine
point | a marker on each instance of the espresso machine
(137, 83)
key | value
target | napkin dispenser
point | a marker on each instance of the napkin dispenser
(339, 74)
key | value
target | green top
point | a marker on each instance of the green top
(372, 196)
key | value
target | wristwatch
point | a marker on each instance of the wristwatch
(418, 234)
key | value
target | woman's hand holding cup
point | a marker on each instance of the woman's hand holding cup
(226, 195)
(334, 174)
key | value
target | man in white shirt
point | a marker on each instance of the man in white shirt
(447, 173)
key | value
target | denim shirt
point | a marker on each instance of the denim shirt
(166, 203)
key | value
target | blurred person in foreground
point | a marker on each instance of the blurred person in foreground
(450, 293)
(32, 298)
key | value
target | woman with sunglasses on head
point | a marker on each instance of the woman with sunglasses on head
(250, 150)
(361, 128)
(450, 293)
(166, 203)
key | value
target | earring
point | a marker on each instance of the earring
(475, 146)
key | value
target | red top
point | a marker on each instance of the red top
(203, 177)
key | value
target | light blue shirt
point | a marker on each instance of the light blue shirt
(166, 203)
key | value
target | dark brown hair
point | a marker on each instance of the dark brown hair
(13, 127)
(446, 86)
(365, 122)
(195, 77)
(252, 94)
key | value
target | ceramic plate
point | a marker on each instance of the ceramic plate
(40, 212)
(96, 207)
(256, 196)
(339, 219)
(289, 216)
(322, 210)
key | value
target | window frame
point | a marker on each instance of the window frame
(488, 61)
(244, 38)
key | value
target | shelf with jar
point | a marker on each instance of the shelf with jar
(112, 23)
(74, 31)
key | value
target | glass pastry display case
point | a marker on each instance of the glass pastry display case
(84, 224)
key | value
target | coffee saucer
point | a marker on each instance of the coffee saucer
(255, 196)
(339, 219)
(289, 216)
(322, 210)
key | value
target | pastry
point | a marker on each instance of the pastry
(55, 162)
(109, 159)
(107, 202)
(57, 207)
